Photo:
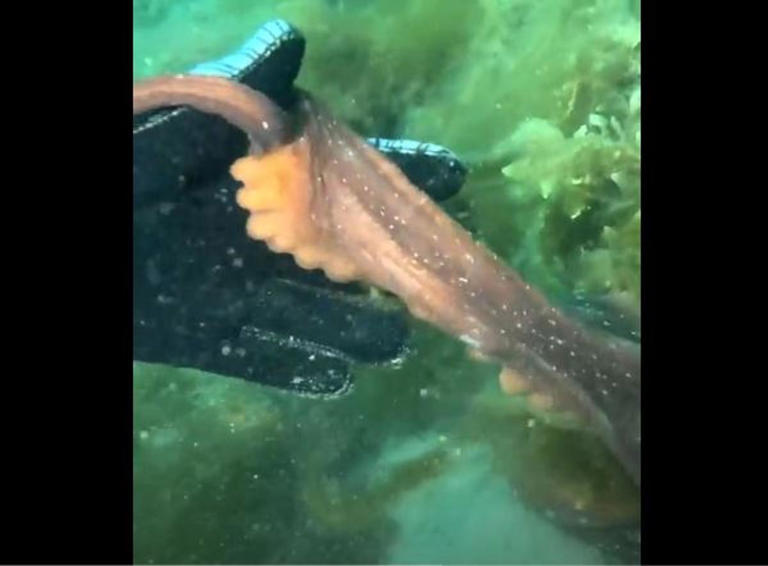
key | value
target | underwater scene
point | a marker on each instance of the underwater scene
(329, 367)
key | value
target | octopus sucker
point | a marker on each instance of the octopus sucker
(513, 382)
(282, 243)
(264, 225)
(245, 171)
(308, 257)
(541, 401)
(265, 199)
(340, 269)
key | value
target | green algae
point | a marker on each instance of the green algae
(541, 99)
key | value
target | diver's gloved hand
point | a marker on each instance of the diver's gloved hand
(179, 148)
(207, 297)
(433, 168)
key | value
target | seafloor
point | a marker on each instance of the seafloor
(425, 462)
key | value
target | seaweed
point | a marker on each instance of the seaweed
(542, 100)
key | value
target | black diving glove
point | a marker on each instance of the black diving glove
(208, 297)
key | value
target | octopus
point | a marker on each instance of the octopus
(315, 189)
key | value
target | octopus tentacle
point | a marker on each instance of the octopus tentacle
(265, 123)
(334, 202)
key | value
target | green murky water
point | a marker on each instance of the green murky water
(426, 462)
